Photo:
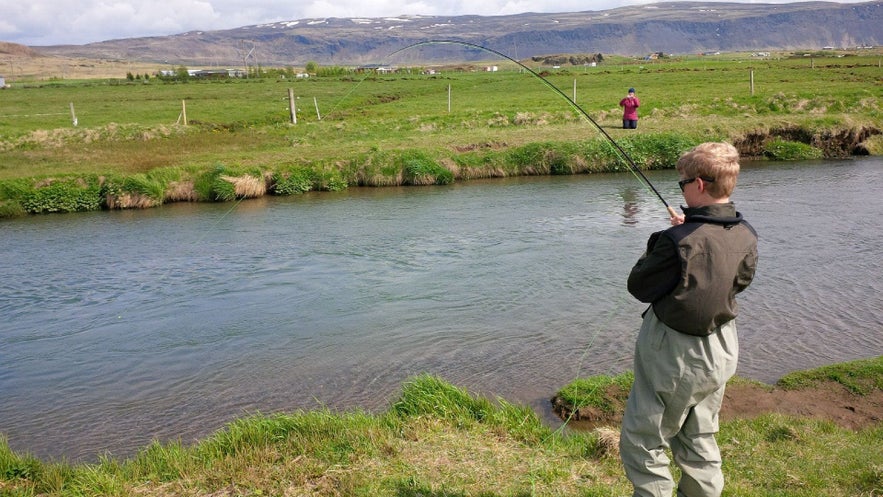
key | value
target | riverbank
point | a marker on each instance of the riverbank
(162, 185)
(66, 150)
(848, 395)
(438, 439)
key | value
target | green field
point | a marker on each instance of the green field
(364, 129)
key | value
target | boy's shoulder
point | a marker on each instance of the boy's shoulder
(694, 224)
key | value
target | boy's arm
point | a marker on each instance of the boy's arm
(746, 271)
(657, 272)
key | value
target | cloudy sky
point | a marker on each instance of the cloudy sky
(56, 22)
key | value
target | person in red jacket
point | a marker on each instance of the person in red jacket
(630, 106)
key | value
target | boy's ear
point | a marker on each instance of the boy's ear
(702, 184)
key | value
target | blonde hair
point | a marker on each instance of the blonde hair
(716, 160)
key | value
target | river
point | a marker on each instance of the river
(118, 328)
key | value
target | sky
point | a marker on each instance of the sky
(77, 22)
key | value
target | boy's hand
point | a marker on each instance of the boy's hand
(676, 219)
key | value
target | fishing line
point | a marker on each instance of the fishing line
(632, 166)
(630, 163)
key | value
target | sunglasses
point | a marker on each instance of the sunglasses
(684, 182)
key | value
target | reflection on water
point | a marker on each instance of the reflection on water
(630, 205)
(122, 327)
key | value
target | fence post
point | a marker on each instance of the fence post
(316, 103)
(292, 108)
(73, 115)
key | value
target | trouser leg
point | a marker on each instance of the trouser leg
(642, 442)
(695, 450)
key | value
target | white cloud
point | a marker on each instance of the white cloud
(55, 22)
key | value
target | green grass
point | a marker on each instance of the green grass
(437, 439)
(860, 377)
(398, 129)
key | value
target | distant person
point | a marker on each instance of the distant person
(630, 106)
(687, 348)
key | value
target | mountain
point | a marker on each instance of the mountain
(671, 28)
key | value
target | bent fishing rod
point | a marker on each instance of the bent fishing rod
(633, 167)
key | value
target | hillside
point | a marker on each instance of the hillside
(674, 27)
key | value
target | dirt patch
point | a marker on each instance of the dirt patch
(833, 144)
(827, 401)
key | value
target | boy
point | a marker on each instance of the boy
(687, 347)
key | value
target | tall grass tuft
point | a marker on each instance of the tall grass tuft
(607, 393)
(225, 183)
(162, 462)
(427, 395)
(418, 168)
(137, 191)
(291, 180)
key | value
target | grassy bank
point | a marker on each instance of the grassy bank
(437, 439)
(131, 147)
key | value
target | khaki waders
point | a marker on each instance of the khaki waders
(674, 403)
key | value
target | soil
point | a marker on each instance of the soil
(827, 401)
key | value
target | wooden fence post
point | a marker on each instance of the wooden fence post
(292, 108)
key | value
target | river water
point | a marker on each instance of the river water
(123, 327)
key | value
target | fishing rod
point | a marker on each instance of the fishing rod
(635, 170)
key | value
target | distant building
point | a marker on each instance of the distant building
(206, 73)
(2, 82)
(378, 68)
